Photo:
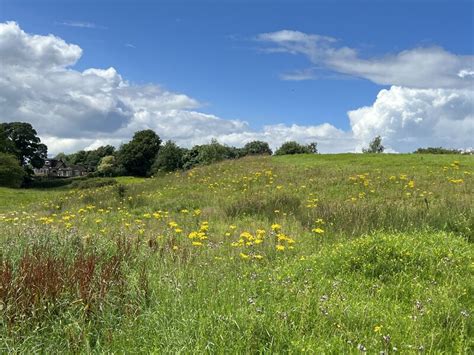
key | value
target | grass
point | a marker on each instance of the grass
(311, 253)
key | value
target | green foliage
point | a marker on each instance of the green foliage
(138, 155)
(293, 147)
(107, 166)
(63, 157)
(215, 152)
(11, 173)
(90, 159)
(6, 145)
(24, 143)
(375, 146)
(436, 150)
(209, 153)
(257, 148)
(169, 158)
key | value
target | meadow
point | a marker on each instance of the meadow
(311, 253)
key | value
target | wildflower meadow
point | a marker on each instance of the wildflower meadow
(311, 253)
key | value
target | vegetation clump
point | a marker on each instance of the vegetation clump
(293, 147)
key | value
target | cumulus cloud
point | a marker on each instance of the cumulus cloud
(412, 118)
(74, 110)
(430, 101)
(431, 67)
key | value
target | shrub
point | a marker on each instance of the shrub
(436, 150)
(293, 147)
(48, 183)
(257, 148)
(209, 153)
(11, 173)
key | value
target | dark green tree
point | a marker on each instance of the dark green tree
(215, 152)
(6, 145)
(293, 147)
(23, 142)
(138, 155)
(11, 173)
(257, 148)
(169, 158)
(375, 146)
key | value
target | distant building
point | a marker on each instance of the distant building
(59, 168)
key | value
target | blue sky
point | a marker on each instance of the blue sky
(208, 49)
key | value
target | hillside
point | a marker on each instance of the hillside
(308, 253)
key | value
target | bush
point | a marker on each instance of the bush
(11, 173)
(436, 150)
(293, 147)
(257, 148)
(209, 153)
(48, 183)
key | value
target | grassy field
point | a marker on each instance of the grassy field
(311, 253)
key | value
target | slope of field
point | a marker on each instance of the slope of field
(310, 253)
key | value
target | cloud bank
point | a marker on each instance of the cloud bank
(430, 101)
(74, 109)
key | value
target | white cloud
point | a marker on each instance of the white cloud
(298, 75)
(430, 102)
(81, 24)
(411, 118)
(431, 67)
(19, 49)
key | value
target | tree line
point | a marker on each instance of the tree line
(145, 154)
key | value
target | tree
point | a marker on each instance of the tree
(257, 148)
(64, 157)
(169, 158)
(6, 145)
(106, 166)
(293, 147)
(93, 157)
(24, 143)
(11, 173)
(375, 146)
(313, 147)
(215, 152)
(138, 155)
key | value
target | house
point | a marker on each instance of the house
(59, 168)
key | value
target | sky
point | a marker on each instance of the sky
(88, 73)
